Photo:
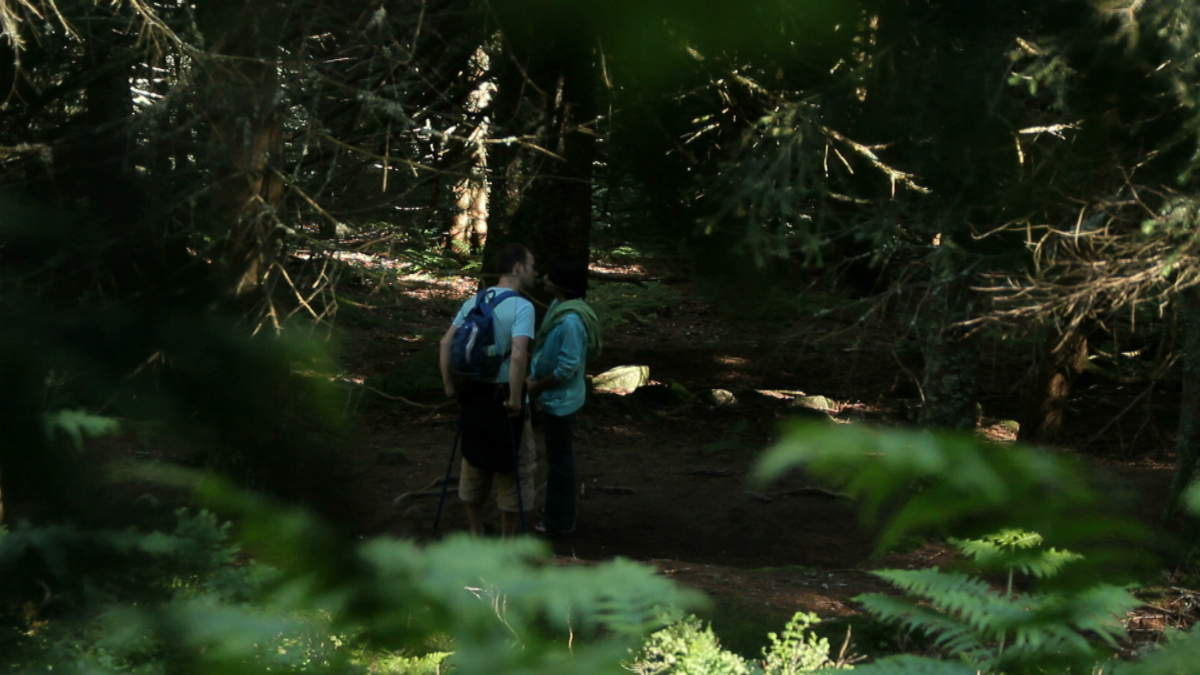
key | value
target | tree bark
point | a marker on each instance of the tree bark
(240, 88)
(108, 113)
(542, 196)
(1061, 360)
(949, 385)
(468, 216)
(1187, 444)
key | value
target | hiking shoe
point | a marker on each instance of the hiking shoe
(541, 531)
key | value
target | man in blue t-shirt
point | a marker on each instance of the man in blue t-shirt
(493, 410)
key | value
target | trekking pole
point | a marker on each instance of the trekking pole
(446, 481)
(517, 473)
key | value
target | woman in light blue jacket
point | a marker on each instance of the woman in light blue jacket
(569, 336)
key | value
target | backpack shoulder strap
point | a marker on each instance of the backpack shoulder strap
(500, 297)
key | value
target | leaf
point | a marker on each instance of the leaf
(1191, 499)
(79, 423)
(1015, 550)
(951, 483)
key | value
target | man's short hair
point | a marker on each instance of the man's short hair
(509, 255)
(571, 275)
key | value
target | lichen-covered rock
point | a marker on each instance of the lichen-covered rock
(622, 379)
(813, 403)
(719, 397)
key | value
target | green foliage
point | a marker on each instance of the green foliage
(79, 423)
(954, 484)
(798, 649)
(192, 600)
(110, 586)
(1065, 618)
(620, 304)
(1017, 550)
(689, 647)
(420, 373)
(504, 608)
(1008, 632)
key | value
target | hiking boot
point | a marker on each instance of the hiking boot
(541, 531)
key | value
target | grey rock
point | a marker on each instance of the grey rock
(623, 378)
(813, 403)
(720, 397)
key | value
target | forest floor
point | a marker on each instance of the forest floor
(664, 481)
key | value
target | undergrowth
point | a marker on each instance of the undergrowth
(619, 304)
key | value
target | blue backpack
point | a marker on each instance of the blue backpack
(474, 354)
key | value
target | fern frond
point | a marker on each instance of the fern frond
(969, 482)
(968, 599)
(1016, 550)
(948, 633)
(1095, 610)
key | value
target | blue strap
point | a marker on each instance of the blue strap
(497, 298)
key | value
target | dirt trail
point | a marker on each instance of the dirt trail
(665, 484)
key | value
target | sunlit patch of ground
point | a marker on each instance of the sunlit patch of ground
(998, 430)
(617, 268)
(403, 276)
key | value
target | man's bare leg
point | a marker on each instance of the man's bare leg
(510, 522)
(475, 518)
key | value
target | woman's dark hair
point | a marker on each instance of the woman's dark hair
(569, 275)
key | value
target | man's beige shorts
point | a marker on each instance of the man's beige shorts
(474, 484)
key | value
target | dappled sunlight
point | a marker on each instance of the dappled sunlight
(403, 277)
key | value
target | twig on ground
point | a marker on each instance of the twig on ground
(614, 489)
(406, 401)
(719, 473)
(808, 490)
(427, 491)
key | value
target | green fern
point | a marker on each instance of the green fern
(77, 424)
(1017, 550)
(969, 487)
(966, 483)
(970, 620)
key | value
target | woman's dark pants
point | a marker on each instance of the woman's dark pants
(560, 481)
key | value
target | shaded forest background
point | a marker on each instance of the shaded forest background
(182, 184)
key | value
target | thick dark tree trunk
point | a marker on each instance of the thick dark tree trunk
(37, 476)
(542, 197)
(1061, 360)
(246, 143)
(109, 110)
(1187, 444)
(949, 385)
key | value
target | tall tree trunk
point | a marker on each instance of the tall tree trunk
(108, 113)
(468, 217)
(949, 385)
(542, 197)
(240, 88)
(1187, 444)
(1061, 360)
(37, 475)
